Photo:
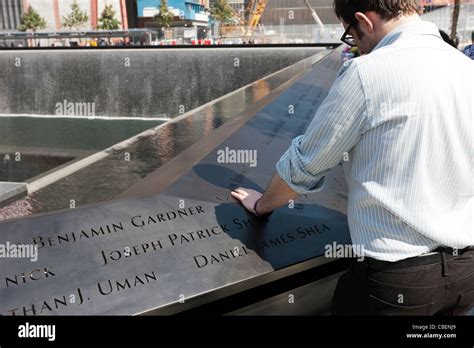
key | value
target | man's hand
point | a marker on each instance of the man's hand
(278, 193)
(247, 197)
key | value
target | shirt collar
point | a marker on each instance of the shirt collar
(415, 28)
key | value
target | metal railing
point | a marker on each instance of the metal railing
(260, 34)
(77, 38)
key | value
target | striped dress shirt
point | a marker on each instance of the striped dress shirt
(402, 118)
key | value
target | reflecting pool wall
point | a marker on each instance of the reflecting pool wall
(148, 83)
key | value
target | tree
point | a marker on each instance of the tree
(76, 18)
(454, 27)
(163, 19)
(31, 20)
(107, 19)
(222, 12)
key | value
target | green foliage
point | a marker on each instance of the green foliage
(76, 18)
(107, 20)
(31, 20)
(222, 12)
(163, 19)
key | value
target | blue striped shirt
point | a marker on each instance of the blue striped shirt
(402, 118)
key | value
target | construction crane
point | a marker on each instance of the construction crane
(255, 9)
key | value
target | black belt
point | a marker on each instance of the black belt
(449, 253)
(453, 251)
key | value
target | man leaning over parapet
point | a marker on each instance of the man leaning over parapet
(406, 121)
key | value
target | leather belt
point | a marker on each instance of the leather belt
(421, 260)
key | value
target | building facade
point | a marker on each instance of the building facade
(53, 12)
(10, 14)
(140, 13)
(186, 12)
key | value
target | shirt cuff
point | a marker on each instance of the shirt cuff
(295, 175)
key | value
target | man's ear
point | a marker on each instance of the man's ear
(365, 21)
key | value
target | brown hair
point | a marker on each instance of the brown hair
(387, 9)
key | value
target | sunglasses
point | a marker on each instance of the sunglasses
(347, 38)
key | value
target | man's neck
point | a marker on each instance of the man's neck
(393, 24)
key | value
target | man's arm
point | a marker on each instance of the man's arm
(278, 193)
(335, 129)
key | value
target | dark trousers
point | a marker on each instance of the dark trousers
(438, 284)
